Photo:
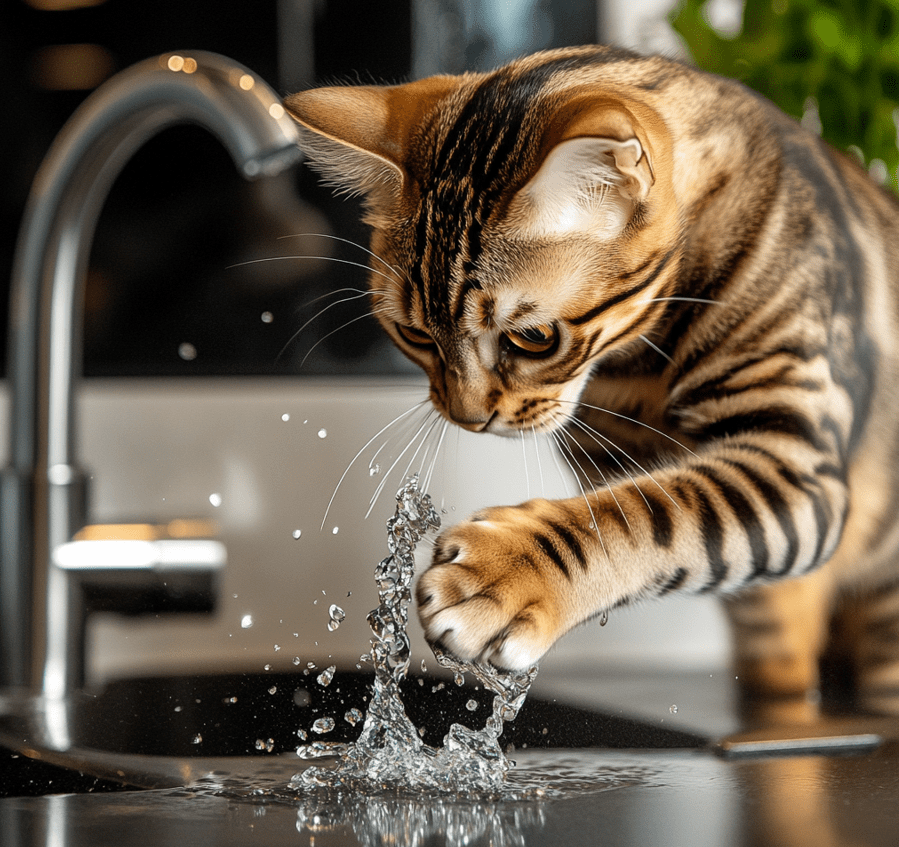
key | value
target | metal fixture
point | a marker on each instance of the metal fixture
(43, 491)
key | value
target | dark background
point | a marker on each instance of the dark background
(163, 296)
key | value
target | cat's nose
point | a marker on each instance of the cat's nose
(475, 425)
(467, 404)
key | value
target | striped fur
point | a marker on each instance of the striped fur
(713, 272)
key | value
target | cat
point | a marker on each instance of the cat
(700, 292)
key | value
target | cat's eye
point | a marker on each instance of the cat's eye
(415, 337)
(536, 340)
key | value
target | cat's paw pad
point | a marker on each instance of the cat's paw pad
(486, 596)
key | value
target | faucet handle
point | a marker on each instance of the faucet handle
(139, 569)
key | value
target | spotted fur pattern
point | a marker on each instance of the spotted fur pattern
(700, 293)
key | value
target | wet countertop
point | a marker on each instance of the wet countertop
(754, 792)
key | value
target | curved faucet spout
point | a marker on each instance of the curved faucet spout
(43, 489)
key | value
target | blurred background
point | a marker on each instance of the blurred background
(204, 399)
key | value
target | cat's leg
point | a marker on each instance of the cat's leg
(779, 632)
(507, 583)
(875, 632)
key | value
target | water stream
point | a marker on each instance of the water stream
(390, 752)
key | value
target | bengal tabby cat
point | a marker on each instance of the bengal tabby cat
(587, 236)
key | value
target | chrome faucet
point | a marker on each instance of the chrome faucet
(43, 491)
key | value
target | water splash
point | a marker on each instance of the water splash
(389, 750)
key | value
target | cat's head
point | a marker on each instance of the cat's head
(522, 218)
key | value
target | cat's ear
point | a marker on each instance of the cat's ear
(590, 181)
(357, 137)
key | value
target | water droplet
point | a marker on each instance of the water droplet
(459, 678)
(296, 660)
(273, 689)
(301, 697)
(277, 647)
(323, 433)
(603, 618)
(472, 705)
(178, 708)
(335, 530)
(246, 621)
(267, 667)
(187, 351)
(323, 725)
(337, 616)
(302, 735)
(353, 716)
(374, 470)
(229, 700)
(197, 739)
(424, 667)
(216, 499)
(673, 709)
(267, 317)
(325, 677)
(310, 665)
(267, 744)
(285, 417)
(297, 533)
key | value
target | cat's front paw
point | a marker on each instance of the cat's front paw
(490, 594)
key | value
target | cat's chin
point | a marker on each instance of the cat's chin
(507, 430)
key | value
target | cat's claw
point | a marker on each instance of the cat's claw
(478, 603)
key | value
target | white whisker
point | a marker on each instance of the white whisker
(407, 425)
(427, 481)
(632, 420)
(352, 243)
(539, 464)
(364, 447)
(318, 259)
(601, 474)
(331, 293)
(425, 442)
(596, 435)
(329, 334)
(396, 461)
(524, 456)
(658, 350)
(320, 312)
(563, 449)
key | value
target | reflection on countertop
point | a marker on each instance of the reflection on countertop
(673, 798)
(694, 797)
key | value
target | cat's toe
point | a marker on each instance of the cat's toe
(481, 624)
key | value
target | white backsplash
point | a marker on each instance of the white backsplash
(160, 449)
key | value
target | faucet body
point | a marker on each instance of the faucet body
(43, 491)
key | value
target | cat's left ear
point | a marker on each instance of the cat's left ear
(595, 173)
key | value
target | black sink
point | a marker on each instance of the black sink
(239, 715)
